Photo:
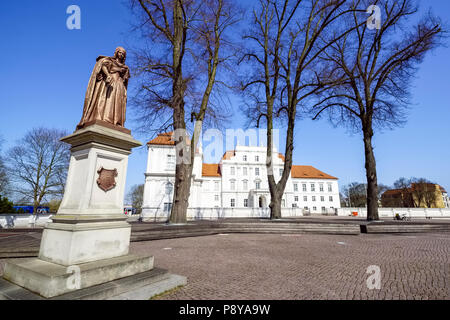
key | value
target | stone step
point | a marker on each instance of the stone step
(141, 286)
(278, 228)
(51, 280)
(117, 287)
(405, 228)
(19, 252)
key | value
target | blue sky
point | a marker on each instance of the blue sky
(46, 67)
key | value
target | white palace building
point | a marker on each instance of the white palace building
(235, 187)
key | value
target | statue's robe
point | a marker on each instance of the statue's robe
(106, 101)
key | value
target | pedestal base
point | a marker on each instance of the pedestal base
(71, 240)
(50, 279)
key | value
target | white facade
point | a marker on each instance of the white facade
(445, 199)
(238, 182)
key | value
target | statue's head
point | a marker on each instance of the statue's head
(120, 53)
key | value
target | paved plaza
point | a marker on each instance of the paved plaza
(302, 266)
(252, 266)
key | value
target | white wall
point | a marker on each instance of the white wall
(390, 212)
(222, 213)
(23, 220)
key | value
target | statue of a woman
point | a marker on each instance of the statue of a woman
(106, 95)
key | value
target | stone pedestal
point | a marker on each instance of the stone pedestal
(89, 235)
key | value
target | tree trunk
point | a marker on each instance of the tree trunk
(371, 174)
(275, 205)
(182, 172)
(181, 194)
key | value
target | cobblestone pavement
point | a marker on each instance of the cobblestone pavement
(302, 266)
(256, 266)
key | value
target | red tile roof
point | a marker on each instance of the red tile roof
(228, 155)
(309, 172)
(164, 139)
(210, 170)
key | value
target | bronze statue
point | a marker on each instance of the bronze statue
(106, 95)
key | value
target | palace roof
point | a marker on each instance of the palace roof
(164, 139)
(309, 172)
(211, 170)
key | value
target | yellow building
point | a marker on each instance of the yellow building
(419, 195)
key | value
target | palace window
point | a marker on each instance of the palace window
(232, 171)
(295, 187)
(245, 185)
(256, 171)
(314, 209)
(170, 162)
(216, 197)
(304, 187)
(281, 172)
(283, 202)
(313, 187)
(216, 185)
(331, 198)
(305, 198)
(330, 188)
(246, 203)
(233, 202)
(257, 185)
(232, 185)
(324, 210)
(167, 207)
(322, 198)
(313, 198)
(321, 187)
(294, 205)
(244, 171)
(257, 158)
(296, 198)
(244, 158)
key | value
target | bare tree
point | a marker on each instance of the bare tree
(379, 65)
(3, 174)
(179, 74)
(283, 69)
(423, 192)
(136, 197)
(404, 197)
(355, 194)
(38, 165)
